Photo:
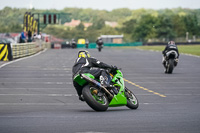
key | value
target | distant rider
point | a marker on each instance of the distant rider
(86, 64)
(99, 41)
(86, 43)
(170, 47)
(73, 43)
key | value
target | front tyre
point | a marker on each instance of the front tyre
(97, 103)
(132, 101)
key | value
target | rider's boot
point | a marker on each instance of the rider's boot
(176, 62)
(81, 98)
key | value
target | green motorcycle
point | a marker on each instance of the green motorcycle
(99, 97)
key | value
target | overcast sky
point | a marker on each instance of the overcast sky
(101, 4)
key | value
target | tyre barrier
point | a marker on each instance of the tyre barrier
(8, 53)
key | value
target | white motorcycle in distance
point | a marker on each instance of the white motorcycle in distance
(171, 61)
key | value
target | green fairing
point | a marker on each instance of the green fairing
(81, 81)
(120, 98)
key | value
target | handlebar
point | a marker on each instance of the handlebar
(113, 71)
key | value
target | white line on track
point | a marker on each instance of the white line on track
(35, 78)
(36, 83)
(92, 132)
(53, 95)
(10, 62)
(35, 88)
(79, 103)
(160, 77)
(34, 104)
(69, 95)
(169, 82)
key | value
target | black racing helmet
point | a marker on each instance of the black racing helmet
(171, 42)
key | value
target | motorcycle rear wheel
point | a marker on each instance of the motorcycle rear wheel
(97, 103)
(132, 101)
(170, 66)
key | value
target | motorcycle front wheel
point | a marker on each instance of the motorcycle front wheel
(94, 100)
(132, 101)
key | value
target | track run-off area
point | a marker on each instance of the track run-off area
(37, 94)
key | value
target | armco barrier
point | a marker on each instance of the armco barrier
(93, 45)
(20, 50)
(26, 49)
(5, 52)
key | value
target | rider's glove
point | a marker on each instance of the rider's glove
(114, 68)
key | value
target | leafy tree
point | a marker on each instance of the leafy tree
(98, 24)
(145, 28)
(179, 26)
(117, 14)
(80, 27)
(107, 30)
(136, 25)
(129, 26)
(165, 27)
(192, 25)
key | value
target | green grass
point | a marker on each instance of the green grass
(186, 49)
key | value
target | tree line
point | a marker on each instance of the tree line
(136, 25)
(162, 27)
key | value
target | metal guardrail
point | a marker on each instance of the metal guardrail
(22, 50)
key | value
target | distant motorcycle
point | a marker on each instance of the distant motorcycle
(170, 61)
(73, 45)
(86, 45)
(99, 45)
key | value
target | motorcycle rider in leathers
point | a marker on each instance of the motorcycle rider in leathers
(99, 42)
(86, 64)
(169, 47)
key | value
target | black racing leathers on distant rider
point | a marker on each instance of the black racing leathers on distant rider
(99, 42)
(88, 65)
(170, 47)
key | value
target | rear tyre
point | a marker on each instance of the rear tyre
(132, 101)
(97, 103)
(170, 66)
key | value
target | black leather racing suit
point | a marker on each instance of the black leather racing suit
(170, 47)
(99, 42)
(88, 65)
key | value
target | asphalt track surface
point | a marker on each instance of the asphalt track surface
(37, 95)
